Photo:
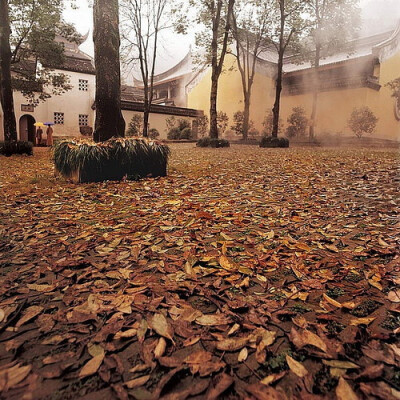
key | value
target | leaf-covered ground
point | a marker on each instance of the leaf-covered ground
(247, 273)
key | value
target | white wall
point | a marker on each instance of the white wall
(71, 103)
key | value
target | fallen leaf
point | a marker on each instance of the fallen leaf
(296, 367)
(134, 383)
(344, 391)
(232, 344)
(160, 348)
(243, 355)
(160, 324)
(29, 314)
(213, 319)
(394, 296)
(2, 315)
(305, 337)
(218, 386)
(12, 376)
(340, 364)
(92, 366)
(361, 321)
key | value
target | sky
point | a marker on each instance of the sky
(375, 13)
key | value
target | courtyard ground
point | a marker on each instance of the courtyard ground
(246, 273)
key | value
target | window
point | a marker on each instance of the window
(83, 85)
(83, 120)
(59, 118)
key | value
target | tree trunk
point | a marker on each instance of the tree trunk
(109, 120)
(6, 92)
(213, 107)
(277, 105)
(246, 115)
(315, 93)
(146, 117)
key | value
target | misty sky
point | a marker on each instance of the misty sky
(378, 15)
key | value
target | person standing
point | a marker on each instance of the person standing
(39, 135)
(49, 133)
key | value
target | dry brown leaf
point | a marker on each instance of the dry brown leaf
(243, 355)
(2, 315)
(29, 314)
(394, 296)
(92, 366)
(10, 377)
(160, 324)
(213, 319)
(344, 391)
(160, 348)
(134, 383)
(232, 344)
(305, 337)
(332, 301)
(340, 364)
(361, 321)
(296, 367)
(130, 333)
(227, 264)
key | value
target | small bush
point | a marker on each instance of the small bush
(179, 129)
(202, 125)
(362, 121)
(9, 148)
(86, 130)
(222, 122)
(268, 125)
(135, 127)
(237, 127)
(212, 142)
(297, 123)
(113, 160)
(153, 133)
(274, 142)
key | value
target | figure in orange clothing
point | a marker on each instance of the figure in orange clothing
(39, 135)
(49, 133)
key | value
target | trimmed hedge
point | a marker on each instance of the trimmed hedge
(274, 142)
(212, 142)
(113, 160)
(9, 148)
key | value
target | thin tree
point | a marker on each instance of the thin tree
(142, 22)
(6, 93)
(288, 23)
(109, 120)
(250, 29)
(213, 40)
(331, 24)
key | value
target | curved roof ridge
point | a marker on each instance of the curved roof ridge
(175, 68)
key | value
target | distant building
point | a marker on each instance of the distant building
(74, 111)
(345, 80)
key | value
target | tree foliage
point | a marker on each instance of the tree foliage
(135, 126)
(297, 123)
(250, 29)
(394, 86)
(35, 24)
(362, 121)
(215, 17)
(142, 22)
(330, 24)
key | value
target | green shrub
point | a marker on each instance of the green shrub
(362, 121)
(222, 122)
(274, 142)
(153, 133)
(297, 123)
(115, 159)
(179, 129)
(202, 125)
(9, 148)
(212, 142)
(268, 125)
(135, 127)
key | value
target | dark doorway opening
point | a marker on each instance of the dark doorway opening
(27, 128)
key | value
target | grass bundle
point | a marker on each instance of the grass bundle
(9, 148)
(274, 142)
(114, 160)
(212, 142)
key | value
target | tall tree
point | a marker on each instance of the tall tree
(213, 40)
(142, 22)
(109, 120)
(288, 25)
(331, 24)
(250, 28)
(6, 93)
(28, 29)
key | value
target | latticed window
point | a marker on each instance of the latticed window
(83, 120)
(59, 118)
(83, 85)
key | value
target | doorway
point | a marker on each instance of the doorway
(27, 128)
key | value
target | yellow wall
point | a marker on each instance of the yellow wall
(334, 107)
(230, 94)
